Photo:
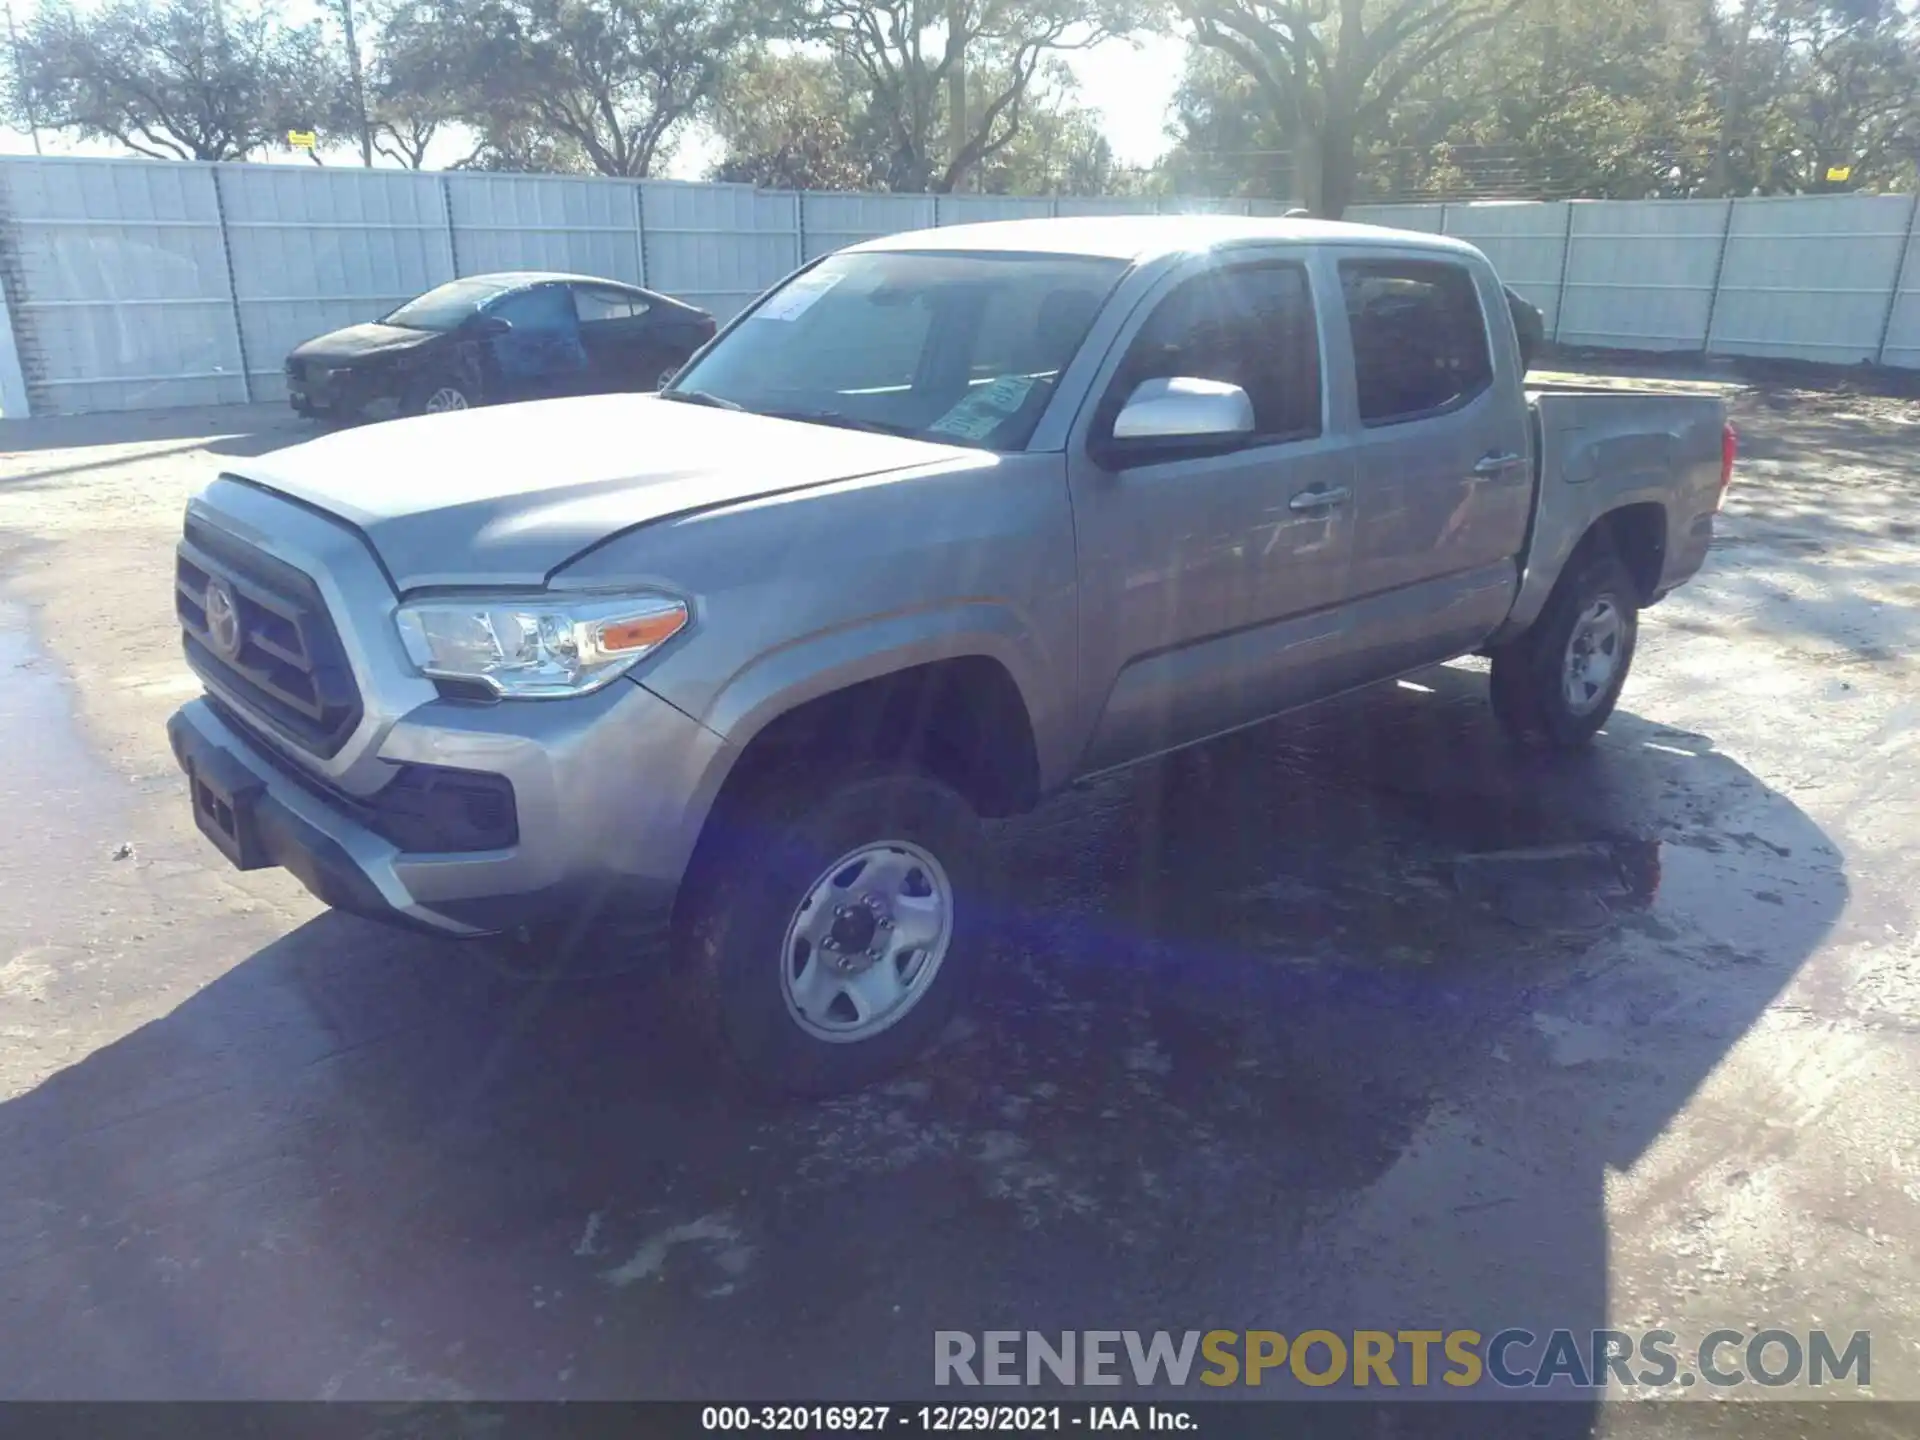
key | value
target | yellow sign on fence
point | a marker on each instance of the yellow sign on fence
(302, 139)
(1839, 174)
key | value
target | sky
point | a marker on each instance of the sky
(1130, 86)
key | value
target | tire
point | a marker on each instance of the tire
(1595, 606)
(438, 394)
(788, 1011)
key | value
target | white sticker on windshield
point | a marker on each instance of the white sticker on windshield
(798, 298)
(977, 416)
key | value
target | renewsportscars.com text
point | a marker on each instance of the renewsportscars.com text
(1413, 1359)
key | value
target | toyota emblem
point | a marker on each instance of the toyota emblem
(223, 620)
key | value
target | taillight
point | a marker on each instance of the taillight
(1729, 452)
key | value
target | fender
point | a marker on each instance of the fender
(821, 663)
(1551, 551)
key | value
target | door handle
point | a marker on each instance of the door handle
(1490, 465)
(1320, 499)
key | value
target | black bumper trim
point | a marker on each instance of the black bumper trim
(313, 858)
(281, 838)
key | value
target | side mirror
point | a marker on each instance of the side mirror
(492, 325)
(1183, 408)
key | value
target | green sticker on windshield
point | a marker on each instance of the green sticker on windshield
(983, 411)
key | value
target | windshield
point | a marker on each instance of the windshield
(962, 349)
(445, 306)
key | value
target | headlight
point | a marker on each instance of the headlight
(537, 647)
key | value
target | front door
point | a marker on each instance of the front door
(1443, 480)
(542, 354)
(1210, 580)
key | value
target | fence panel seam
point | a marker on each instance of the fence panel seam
(1899, 279)
(233, 290)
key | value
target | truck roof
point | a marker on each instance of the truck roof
(1146, 237)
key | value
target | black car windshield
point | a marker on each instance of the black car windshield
(446, 306)
(958, 348)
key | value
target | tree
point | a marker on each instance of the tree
(1059, 150)
(918, 57)
(612, 79)
(177, 79)
(795, 122)
(1225, 141)
(1564, 98)
(1852, 101)
(1329, 71)
(404, 114)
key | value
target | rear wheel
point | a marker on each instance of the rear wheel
(832, 937)
(1558, 682)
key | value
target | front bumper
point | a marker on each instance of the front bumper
(611, 790)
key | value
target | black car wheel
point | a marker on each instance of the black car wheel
(439, 395)
(832, 942)
(445, 398)
(1559, 681)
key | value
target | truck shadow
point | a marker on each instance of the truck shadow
(1280, 1034)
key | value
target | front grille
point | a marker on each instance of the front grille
(289, 670)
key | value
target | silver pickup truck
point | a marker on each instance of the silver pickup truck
(939, 525)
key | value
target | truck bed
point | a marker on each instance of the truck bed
(1600, 447)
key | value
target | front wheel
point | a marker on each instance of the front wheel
(1559, 681)
(440, 395)
(832, 943)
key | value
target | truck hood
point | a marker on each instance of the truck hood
(508, 494)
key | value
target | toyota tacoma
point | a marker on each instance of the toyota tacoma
(942, 523)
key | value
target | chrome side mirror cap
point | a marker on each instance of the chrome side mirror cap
(1184, 407)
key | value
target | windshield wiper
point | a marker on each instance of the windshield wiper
(698, 397)
(845, 422)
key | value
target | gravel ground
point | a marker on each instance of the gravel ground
(1264, 1047)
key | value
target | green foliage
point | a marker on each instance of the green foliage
(182, 79)
(1059, 150)
(1329, 73)
(1541, 98)
(607, 82)
(1318, 101)
(795, 122)
(909, 55)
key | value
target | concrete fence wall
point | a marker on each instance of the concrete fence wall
(129, 284)
(1828, 278)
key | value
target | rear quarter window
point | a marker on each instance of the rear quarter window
(1419, 338)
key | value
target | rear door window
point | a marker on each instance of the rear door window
(597, 304)
(1246, 325)
(1419, 338)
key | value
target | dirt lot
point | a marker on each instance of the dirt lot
(1264, 1047)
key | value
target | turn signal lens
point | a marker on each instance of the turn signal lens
(642, 632)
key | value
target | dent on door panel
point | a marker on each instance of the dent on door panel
(1180, 695)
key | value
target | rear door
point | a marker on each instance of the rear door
(622, 347)
(1210, 579)
(1442, 475)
